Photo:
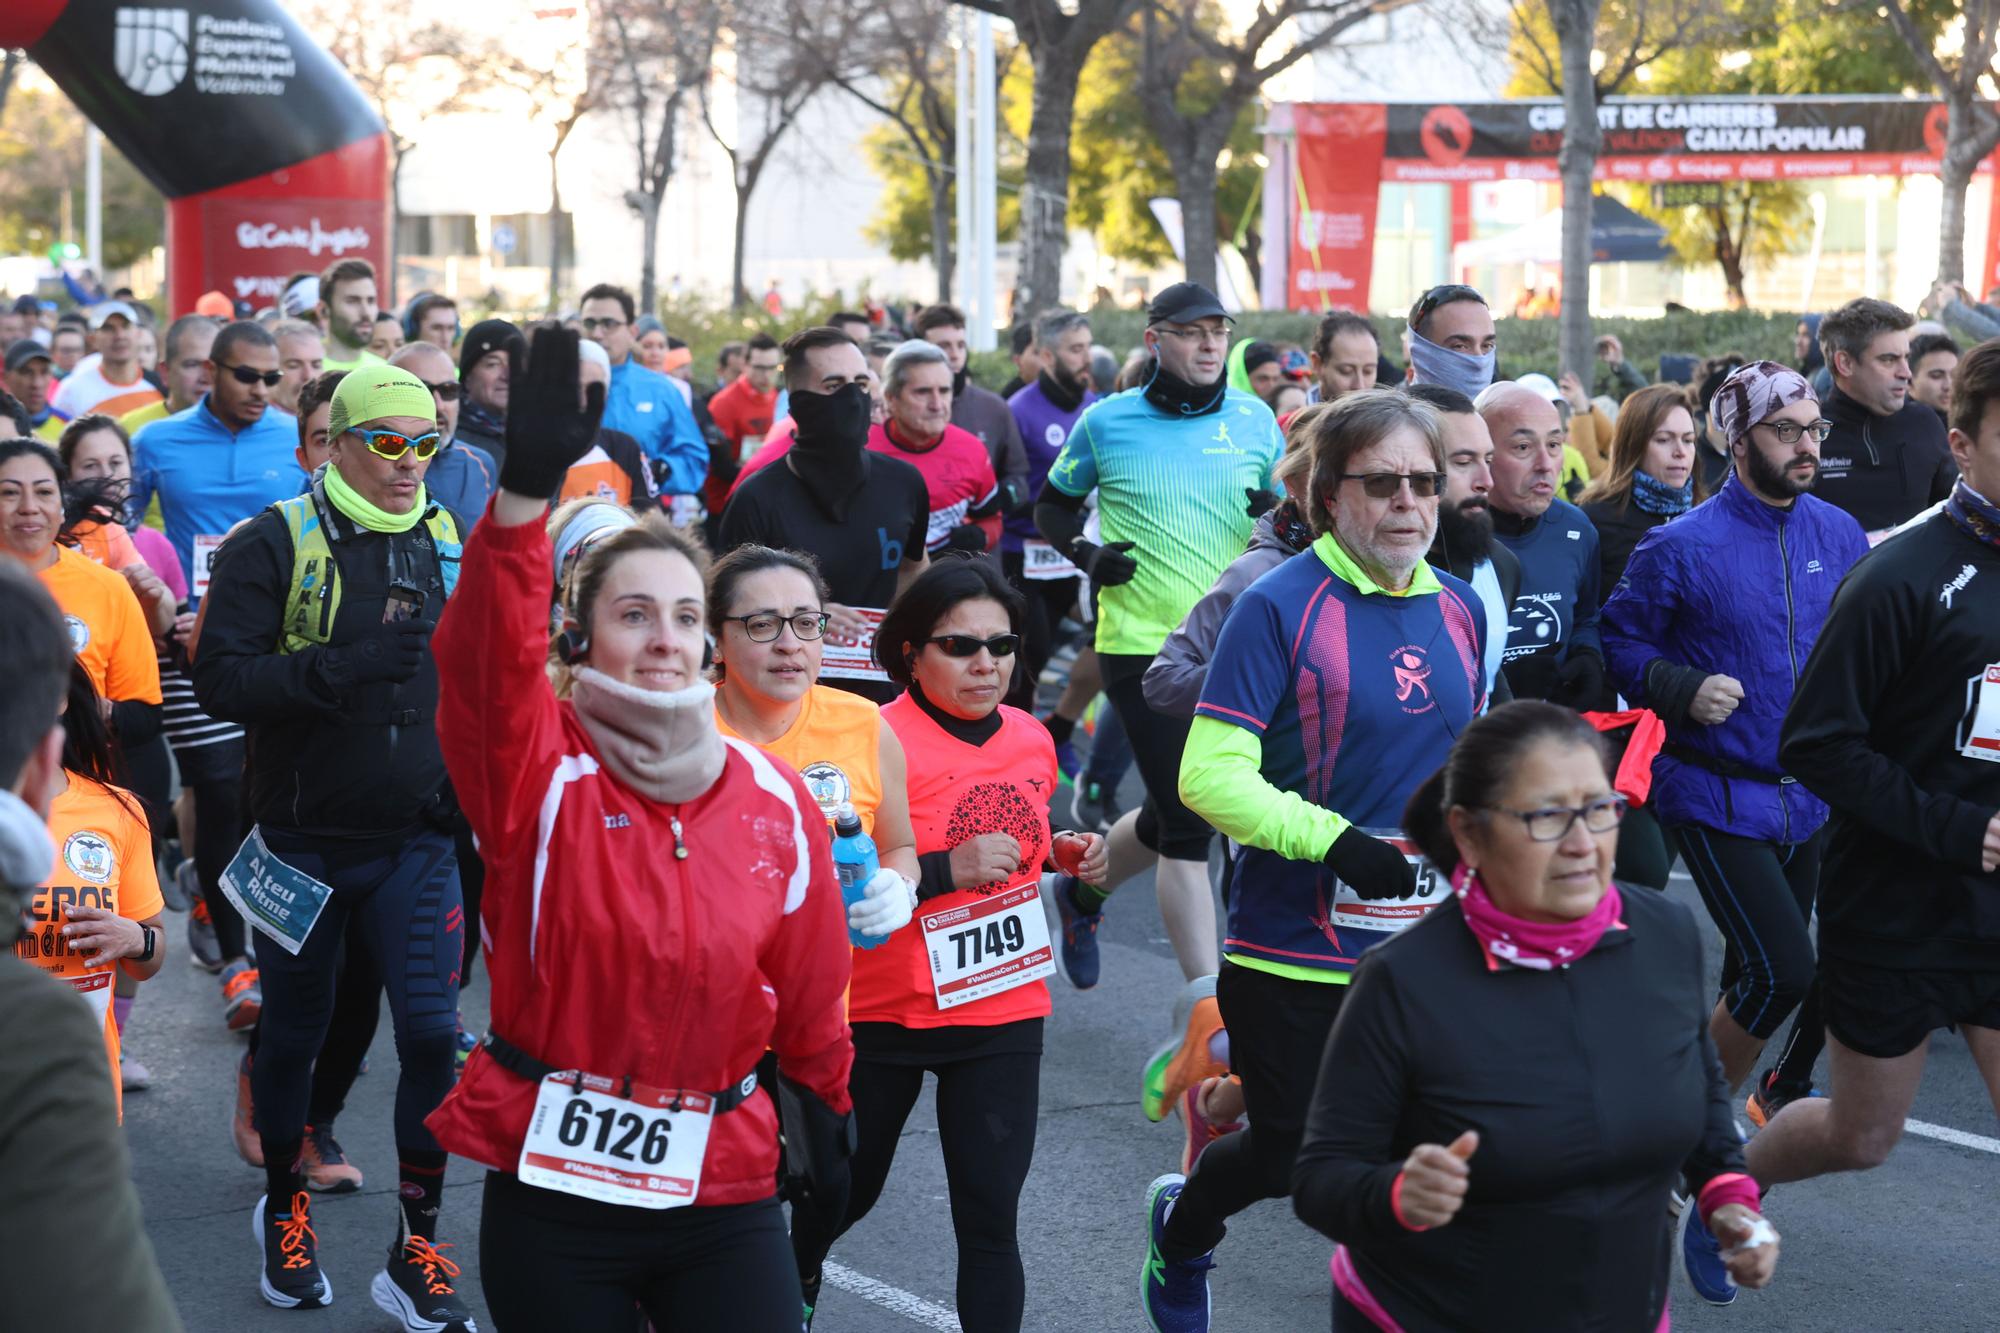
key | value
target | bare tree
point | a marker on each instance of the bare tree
(654, 55)
(1196, 78)
(1971, 129)
(560, 93)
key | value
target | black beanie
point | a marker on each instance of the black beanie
(1259, 354)
(489, 335)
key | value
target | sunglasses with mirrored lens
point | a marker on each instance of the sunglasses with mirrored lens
(1384, 485)
(964, 645)
(245, 375)
(391, 445)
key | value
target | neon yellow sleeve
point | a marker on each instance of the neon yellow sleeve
(1222, 781)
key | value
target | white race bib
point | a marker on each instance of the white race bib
(845, 658)
(205, 548)
(1982, 733)
(986, 947)
(1390, 916)
(1042, 562)
(600, 1139)
(95, 988)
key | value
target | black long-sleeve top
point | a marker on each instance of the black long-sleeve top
(1876, 730)
(1592, 1087)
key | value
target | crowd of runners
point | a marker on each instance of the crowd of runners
(757, 745)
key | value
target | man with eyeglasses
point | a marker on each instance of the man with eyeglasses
(1337, 686)
(185, 372)
(648, 406)
(1887, 458)
(348, 308)
(1717, 612)
(1552, 649)
(318, 642)
(462, 476)
(223, 459)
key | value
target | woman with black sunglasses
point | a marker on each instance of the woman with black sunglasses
(959, 991)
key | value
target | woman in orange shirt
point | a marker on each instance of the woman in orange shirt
(959, 991)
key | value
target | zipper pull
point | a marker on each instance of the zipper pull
(680, 848)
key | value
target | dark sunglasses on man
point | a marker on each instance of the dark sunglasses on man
(245, 375)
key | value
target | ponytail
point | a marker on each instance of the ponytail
(1426, 824)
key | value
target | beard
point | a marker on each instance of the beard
(1777, 481)
(1467, 528)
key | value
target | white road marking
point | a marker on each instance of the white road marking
(1946, 1134)
(913, 1308)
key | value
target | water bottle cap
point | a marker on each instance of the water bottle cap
(845, 820)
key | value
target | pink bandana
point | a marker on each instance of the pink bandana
(1541, 946)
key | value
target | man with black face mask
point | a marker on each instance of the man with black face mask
(862, 515)
(1465, 544)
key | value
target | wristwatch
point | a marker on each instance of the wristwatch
(151, 936)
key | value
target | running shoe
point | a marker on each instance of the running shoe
(415, 1287)
(243, 1121)
(1701, 1259)
(204, 950)
(326, 1166)
(1080, 958)
(242, 996)
(1174, 1292)
(1768, 1098)
(133, 1076)
(180, 890)
(291, 1277)
(1095, 808)
(1201, 1131)
(810, 1289)
(1183, 1061)
(1067, 761)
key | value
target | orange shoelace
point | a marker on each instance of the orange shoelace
(294, 1231)
(417, 1250)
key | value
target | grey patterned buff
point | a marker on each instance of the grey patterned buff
(1753, 393)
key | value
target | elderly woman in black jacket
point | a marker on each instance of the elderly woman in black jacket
(1516, 1083)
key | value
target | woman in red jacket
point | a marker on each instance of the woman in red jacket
(959, 991)
(660, 907)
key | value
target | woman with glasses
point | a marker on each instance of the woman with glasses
(1516, 1083)
(959, 991)
(1709, 628)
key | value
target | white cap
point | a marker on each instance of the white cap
(106, 309)
(1541, 386)
(593, 352)
(300, 297)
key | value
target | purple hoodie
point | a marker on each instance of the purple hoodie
(1045, 426)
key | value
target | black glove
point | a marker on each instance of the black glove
(1371, 867)
(1579, 681)
(1107, 565)
(817, 1145)
(549, 425)
(389, 651)
(1261, 502)
(966, 537)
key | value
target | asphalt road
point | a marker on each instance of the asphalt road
(1914, 1245)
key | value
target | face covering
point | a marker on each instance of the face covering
(365, 512)
(1654, 496)
(1176, 397)
(1540, 946)
(1462, 371)
(1976, 516)
(827, 454)
(663, 745)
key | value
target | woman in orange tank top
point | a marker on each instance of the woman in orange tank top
(958, 992)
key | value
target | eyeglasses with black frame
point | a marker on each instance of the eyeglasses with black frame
(1385, 485)
(245, 375)
(966, 645)
(1788, 432)
(766, 626)
(1554, 823)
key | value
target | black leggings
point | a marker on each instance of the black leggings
(1643, 855)
(405, 894)
(549, 1260)
(357, 1012)
(986, 1108)
(1277, 1035)
(1165, 825)
(1761, 897)
(213, 775)
(1049, 600)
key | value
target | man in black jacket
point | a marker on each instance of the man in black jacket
(317, 635)
(1886, 459)
(1896, 725)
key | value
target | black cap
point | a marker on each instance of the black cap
(489, 335)
(23, 350)
(27, 305)
(1185, 302)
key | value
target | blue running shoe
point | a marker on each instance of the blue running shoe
(1701, 1256)
(1079, 935)
(1174, 1292)
(1067, 762)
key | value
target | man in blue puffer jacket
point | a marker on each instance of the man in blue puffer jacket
(1709, 628)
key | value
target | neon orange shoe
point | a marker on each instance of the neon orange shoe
(242, 996)
(326, 1167)
(1184, 1061)
(243, 1121)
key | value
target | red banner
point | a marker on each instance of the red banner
(1337, 183)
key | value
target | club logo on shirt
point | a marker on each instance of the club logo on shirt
(828, 786)
(1951, 589)
(1222, 441)
(79, 634)
(89, 856)
(1533, 624)
(1412, 670)
(1055, 435)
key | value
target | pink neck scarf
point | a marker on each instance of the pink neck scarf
(1541, 946)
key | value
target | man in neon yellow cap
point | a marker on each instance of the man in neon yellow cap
(317, 640)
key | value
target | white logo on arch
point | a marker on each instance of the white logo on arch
(151, 49)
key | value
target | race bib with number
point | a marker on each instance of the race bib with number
(598, 1138)
(1391, 915)
(95, 988)
(1041, 561)
(843, 657)
(282, 903)
(205, 548)
(1980, 735)
(983, 948)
